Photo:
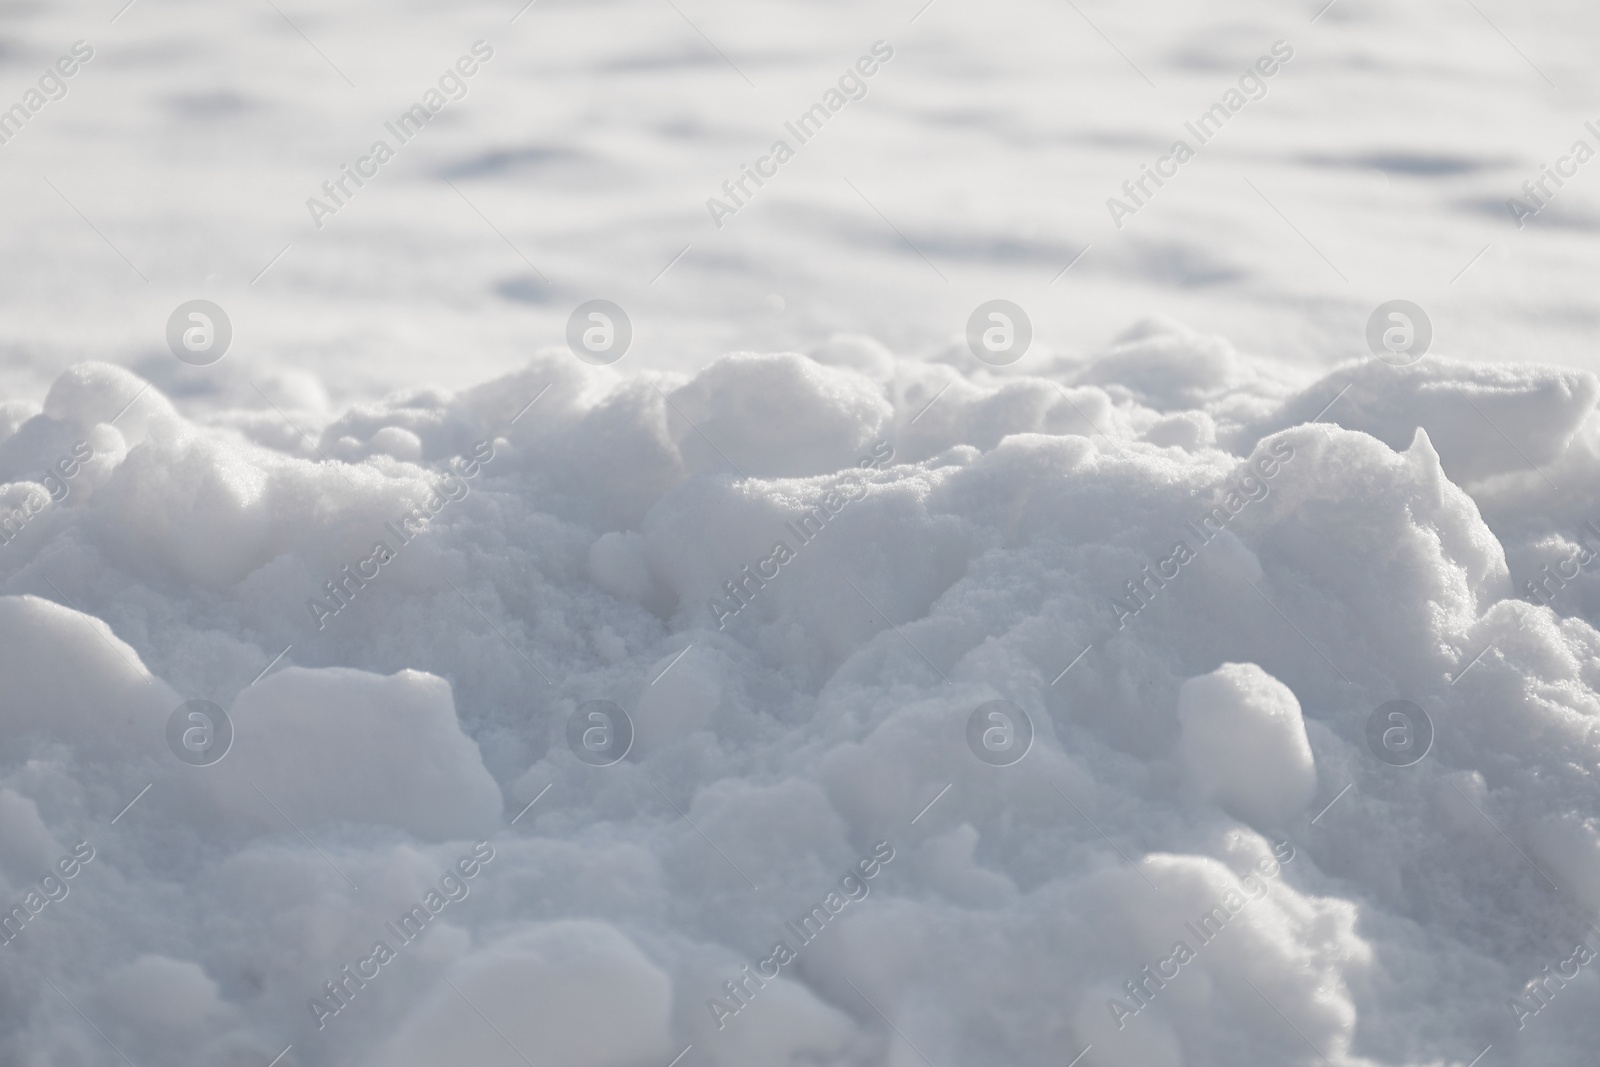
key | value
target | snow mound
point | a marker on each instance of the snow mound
(1094, 656)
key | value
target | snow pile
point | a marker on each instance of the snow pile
(1198, 858)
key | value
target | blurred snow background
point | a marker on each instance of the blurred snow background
(594, 137)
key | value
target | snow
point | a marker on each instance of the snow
(981, 560)
(1244, 744)
(400, 539)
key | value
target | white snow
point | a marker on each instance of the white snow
(1179, 749)
(554, 533)
(1244, 744)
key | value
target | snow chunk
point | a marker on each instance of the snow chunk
(1244, 743)
(345, 745)
(68, 678)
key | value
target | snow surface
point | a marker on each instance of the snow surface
(1190, 738)
(529, 534)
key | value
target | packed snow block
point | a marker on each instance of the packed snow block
(341, 745)
(776, 416)
(1464, 407)
(566, 994)
(1244, 744)
(69, 679)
